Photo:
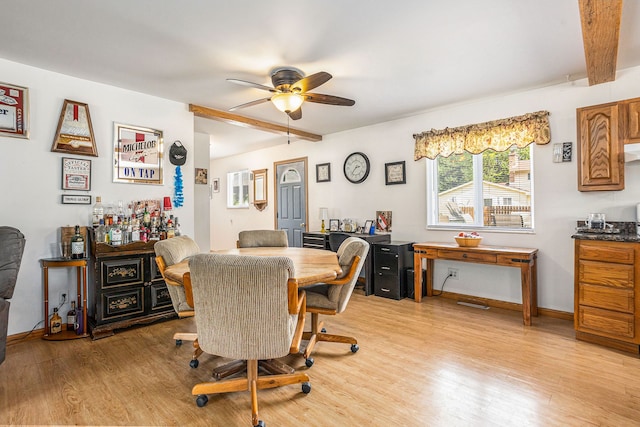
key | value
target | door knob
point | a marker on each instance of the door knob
(303, 224)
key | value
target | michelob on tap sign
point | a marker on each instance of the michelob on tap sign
(138, 155)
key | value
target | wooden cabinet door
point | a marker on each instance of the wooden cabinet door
(600, 155)
(633, 121)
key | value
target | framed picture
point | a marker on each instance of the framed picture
(76, 199)
(323, 172)
(201, 176)
(383, 221)
(14, 111)
(394, 173)
(215, 184)
(334, 225)
(75, 132)
(137, 153)
(367, 226)
(76, 174)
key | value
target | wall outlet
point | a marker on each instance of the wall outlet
(453, 273)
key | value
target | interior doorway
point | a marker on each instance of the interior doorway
(291, 198)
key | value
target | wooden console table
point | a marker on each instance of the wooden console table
(522, 258)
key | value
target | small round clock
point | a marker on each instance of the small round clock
(356, 167)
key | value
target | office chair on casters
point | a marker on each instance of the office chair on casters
(263, 238)
(247, 308)
(331, 298)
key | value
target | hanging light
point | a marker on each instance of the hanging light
(287, 102)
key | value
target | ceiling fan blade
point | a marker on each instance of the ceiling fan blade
(251, 84)
(310, 82)
(328, 99)
(249, 104)
(296, 115)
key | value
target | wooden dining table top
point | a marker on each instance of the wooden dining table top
(310, 265)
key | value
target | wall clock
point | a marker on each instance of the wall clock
(356, 167)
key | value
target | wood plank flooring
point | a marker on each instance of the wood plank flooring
(430, 364)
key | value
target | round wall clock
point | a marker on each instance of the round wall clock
(356, 167)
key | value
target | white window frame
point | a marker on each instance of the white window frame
(433, 219)
(242, 176)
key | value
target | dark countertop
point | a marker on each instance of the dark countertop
(627, 233)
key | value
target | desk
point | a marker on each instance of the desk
(522, 258)
(81, 300)
(321, 241)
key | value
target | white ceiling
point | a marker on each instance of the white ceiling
(394, 59)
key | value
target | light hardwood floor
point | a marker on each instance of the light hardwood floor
(430, 364)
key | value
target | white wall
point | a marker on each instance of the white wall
(202, 201)
(558, 203)
(31, 174)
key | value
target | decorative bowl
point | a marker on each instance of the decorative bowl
(468, 241)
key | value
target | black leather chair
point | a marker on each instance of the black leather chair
(11, 249)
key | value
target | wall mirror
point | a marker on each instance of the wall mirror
(260, 189)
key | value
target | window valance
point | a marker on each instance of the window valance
(498, 135)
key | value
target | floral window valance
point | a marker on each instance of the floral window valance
(498, 135)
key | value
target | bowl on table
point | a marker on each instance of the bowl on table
(468, 241)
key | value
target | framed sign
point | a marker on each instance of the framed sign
(137, 154)
(334, 225)
(14, 111)
(76, 199)
(323, 172)
(76, 174)
(75, 132)
(394, 173)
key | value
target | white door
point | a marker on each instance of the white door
(291, 198)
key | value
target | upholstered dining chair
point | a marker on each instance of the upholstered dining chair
(263, 238)
(12, 243)
(169, 252)
(331, 298)
(247, 308)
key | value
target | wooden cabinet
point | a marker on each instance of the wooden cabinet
(607, 303)
(126, 288)
(632, 121)
(390, 262)
(600, 153)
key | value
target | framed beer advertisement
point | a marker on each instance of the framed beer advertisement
(76, 174)
(74, 134)
(137, 153)
(14, 111)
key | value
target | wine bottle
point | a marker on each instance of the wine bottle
(77, 244)
(55, 325)
(71, 317)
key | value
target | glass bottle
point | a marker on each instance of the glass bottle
(77, 244)
(100, 232)
(79, 327)
(171, 231)
(55, 324)
(97, 212)
(115, 234)
(135, 228)
(109, 213)
(71, 317)
(146, 217)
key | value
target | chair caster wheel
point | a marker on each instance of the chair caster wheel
(354, 348)
(306, 388)
(194, 363)
(309, 362)
(260, 424)
(202, 400)
(178, 343)
(323, 330)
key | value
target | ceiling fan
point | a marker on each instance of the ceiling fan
(289, 91)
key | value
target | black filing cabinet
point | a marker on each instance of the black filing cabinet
(390, 262)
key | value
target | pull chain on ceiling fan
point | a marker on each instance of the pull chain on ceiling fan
(290, 91)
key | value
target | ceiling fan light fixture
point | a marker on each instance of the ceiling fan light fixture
(287, 102)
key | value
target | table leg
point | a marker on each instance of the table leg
(85, 325)
(417, 276)
(525, 277)
(45, 275)
(430, 263)
(534, 286)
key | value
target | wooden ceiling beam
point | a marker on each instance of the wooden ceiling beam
(600, 34)
(238, 120)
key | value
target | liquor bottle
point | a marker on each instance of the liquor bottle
(109, 214)
(97, 213)
(79, 321)
(146, 217)
(176, 225)
(135, 228)
(71, 317)
(55, 324)
(100, 232)
(171, 231)
(77, 244)
(120, 211)
(115, 234)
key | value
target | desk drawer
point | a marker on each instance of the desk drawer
(386, 263)
(607, 323)
(390, 286)
(467, 256)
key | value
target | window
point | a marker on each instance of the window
(491, 189)
(238, 189)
